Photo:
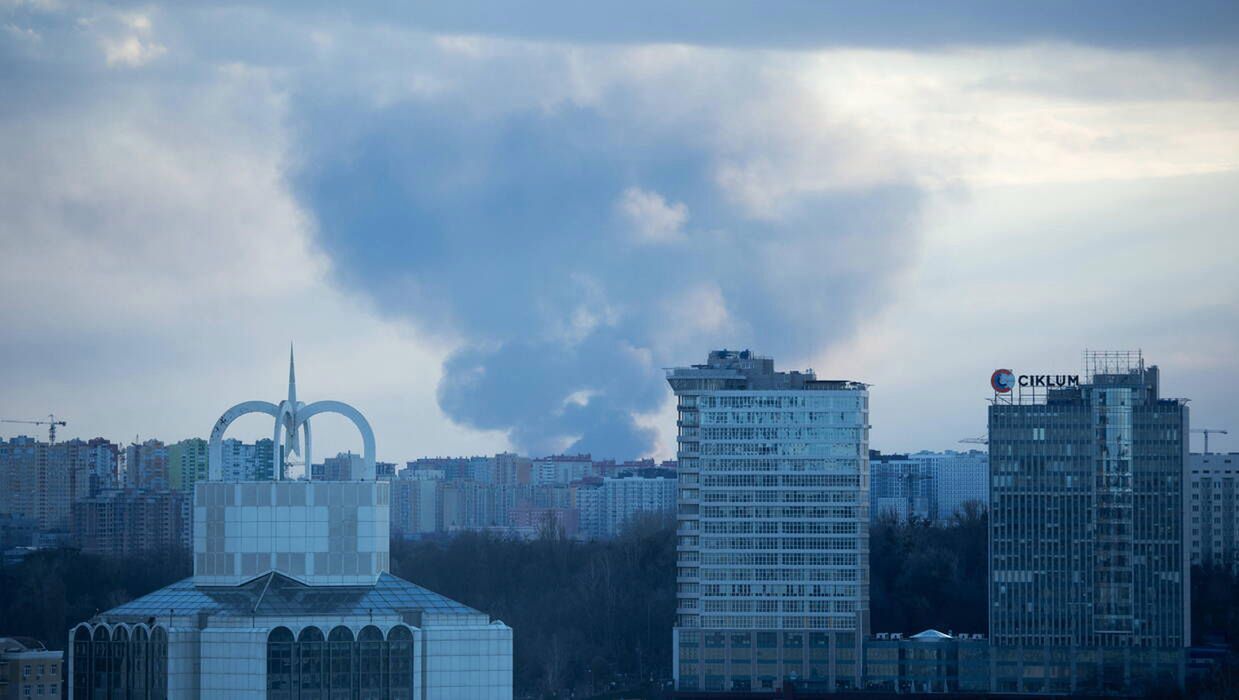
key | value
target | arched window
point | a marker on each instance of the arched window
(120, 661)
(310, 666)
(158, 661)
(400, 662)
(81, 663)
(139, 651)
(370, 663)
(280, 664)
(102, 667)
(340, 650)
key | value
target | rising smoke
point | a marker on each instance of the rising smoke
(578, 249)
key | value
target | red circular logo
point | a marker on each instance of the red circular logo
(1003, 380)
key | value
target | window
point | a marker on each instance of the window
(279, 664)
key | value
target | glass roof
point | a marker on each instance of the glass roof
(276, 594)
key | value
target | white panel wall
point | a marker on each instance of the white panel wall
(468, 662)
(234, 664)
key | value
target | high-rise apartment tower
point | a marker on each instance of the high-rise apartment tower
(772, 527)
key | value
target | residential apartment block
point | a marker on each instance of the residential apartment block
(772, 547)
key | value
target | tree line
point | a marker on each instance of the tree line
(590, 618)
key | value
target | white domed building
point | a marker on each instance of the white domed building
(291, 598)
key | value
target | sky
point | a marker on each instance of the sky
(490, 226)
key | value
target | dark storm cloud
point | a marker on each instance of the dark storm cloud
(504, 229)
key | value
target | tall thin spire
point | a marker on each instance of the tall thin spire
(292, 378)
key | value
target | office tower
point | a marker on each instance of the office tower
(291, 597)
(773, 528)
(1087, 478)
(1214, 520)
(187, 464)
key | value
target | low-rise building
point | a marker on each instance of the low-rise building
(28, 669)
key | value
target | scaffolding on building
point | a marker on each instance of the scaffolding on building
(1097, 362)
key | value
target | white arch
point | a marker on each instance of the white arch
(363, 426)
(215, 449)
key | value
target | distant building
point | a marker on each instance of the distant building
(187, 464)
(385, 471)
(146, 466)
(17, 531)
(469, 505)
(772, 560)
(41, 481)
(1214, 515)
(512, 469)
(901, 487)
(605, 506)
(1088, 563)
(529, 523)
(562, 469)
(345, 466)
(959, 478)
(415, 504)
(453, 468)
(248, 461)
(103, 463)
(28, 669)
(928, 485)
(123, 522)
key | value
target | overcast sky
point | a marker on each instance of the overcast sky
(490, 226)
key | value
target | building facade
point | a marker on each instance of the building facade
(772, 530)
(28, 669)
(932, 486)
(1087, 547)
(291, 597)
(1214, 519)
(41, 481)
(146, 466)
(249, 461)
(902, 488)
(124, 522)
(187, 464)
(959, 478)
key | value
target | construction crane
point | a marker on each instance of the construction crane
(51, 424)
(983, 440)
(1206, 432)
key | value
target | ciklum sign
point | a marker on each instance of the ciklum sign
(1004, 380)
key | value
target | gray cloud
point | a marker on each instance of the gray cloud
(504, 229)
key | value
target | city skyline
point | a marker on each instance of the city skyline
(503, 229)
